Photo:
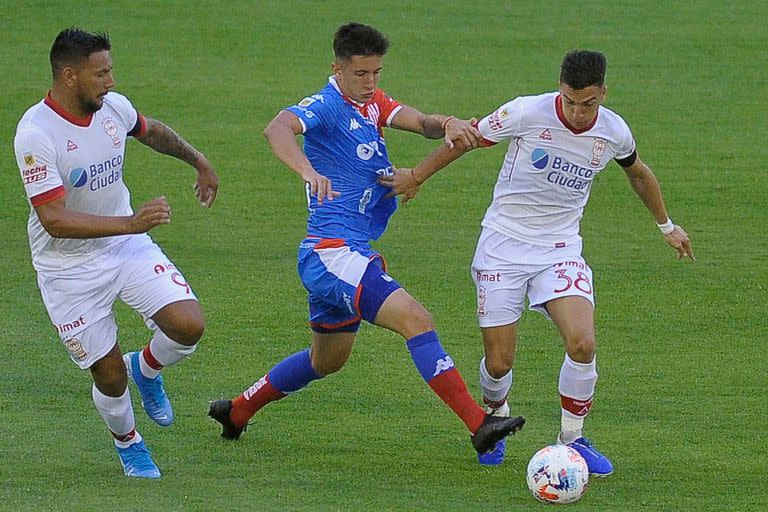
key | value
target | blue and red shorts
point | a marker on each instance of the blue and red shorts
(346, 282)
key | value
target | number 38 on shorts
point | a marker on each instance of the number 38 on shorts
(572, 277)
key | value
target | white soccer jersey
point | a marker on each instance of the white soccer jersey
(79, 159)
(547, 173)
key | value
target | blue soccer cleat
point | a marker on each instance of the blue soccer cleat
(495, 456)
(153, 397)
(599, 465)
(137, 462)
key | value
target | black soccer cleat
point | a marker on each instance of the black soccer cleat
(494, 429)
(219, 411)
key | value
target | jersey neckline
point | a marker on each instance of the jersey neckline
(564, 121)
(83, 122)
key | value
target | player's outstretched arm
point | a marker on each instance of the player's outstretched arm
(281, 134)
(434, 126)
(61, 222)
(406, 182)
(163, 139)
(646, 186)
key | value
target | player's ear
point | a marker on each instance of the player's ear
(69, 76)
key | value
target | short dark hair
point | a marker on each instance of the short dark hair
(358, 39)
(73, 45)
(583, 68)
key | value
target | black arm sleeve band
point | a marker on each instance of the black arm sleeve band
(628, 161)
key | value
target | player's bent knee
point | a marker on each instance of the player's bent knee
(582, 350)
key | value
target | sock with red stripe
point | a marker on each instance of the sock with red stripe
(288, 376)
(437, 369)
(117, 413)
(160, 352)
(577, 387)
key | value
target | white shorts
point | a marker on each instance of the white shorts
(79, 300)
(506, 270)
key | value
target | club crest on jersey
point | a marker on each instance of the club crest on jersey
(598, 150)
(110, 127)
(29, 159)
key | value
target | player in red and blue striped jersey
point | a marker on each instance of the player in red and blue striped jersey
(343, 158)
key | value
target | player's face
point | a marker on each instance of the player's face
(357, 76)
(580, 105)
(93, 81)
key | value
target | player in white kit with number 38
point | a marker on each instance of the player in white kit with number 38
(530, 244)
(88, 246)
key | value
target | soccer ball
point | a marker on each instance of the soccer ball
(557, 474)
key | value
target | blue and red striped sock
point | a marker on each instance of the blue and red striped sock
(437, 369)
(289, 375)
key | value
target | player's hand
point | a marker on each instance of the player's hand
(150, 214)
(679, 240)
(319, 186)
(401, 181)
(207, 184)
(465, 133)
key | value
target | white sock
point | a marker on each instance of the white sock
(495, 390)
(165, 351)
(117, 412)
(576, 387)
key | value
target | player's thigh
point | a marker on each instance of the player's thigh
(329, 351)
(149, 281)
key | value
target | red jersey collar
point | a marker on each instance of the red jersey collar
(83, 122)
(561, 117)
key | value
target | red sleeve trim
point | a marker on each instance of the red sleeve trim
(48, 196)
(140, 128)
(484, 142)
(386, 106)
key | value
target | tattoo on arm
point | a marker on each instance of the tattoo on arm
(163, 139)
(433, 128)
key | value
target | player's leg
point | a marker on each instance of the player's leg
(154, 287)
(334, 323)
(79, 302)
(501, 283)
(496, 378)
(574, 317)
(113, 401)
(401, 313)
(327, 354)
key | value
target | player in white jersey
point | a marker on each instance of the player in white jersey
(530, 244)
(88, 246)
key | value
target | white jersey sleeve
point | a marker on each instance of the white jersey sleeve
(38, 165)
(503, 123)
(127, 112)
(625, 142)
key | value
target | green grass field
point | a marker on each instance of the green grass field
(681, 404)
